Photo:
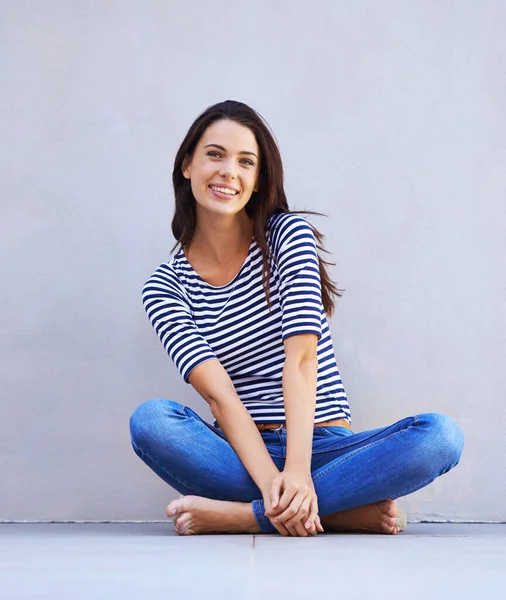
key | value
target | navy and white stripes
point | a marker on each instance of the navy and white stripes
(197, 321)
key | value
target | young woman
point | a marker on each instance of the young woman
(241, 309)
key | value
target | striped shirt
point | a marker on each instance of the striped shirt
(197, 321)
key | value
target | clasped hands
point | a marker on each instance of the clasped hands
(292, 505)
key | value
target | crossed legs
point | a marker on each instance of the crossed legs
(356, 477)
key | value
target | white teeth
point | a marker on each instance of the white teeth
(224, 190)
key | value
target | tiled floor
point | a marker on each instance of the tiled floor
(149, 561)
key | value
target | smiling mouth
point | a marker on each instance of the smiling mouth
(219, 191)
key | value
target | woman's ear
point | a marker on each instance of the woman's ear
(255, 189)
(185, 167)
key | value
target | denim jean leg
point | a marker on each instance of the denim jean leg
(189, 454)
(194, 457)
(396, 461)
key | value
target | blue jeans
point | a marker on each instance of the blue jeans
(348, 469)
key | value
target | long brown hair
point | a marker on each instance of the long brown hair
(270, 198)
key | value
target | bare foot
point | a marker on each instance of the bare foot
(195, 514)
(379, 517)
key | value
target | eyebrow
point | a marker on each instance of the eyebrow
(222, 148)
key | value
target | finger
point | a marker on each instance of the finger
(282, 529)
(312, 530)
(281, 501)
(275, 493)
(291, 510)
(300, 514)
(272, 515)
(279, 526)
(300, 529)
(313, 513)
(286, 498)
(293, 531)
(274, 512)
(319, 525)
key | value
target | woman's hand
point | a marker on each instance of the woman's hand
(293, 504)
(268, 507)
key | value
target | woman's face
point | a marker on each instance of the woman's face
(224, 167)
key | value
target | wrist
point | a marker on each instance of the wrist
(298, 464)
(264, 485)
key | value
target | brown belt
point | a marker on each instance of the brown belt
(333, 423)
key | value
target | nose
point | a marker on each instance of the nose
(228, 170)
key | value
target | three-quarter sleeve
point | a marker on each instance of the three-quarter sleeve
(299, 278)
(169, 312)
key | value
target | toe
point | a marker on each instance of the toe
(389, 524)
(391, 508)
(180, 523)
(184, 525)
(175, 507)
(181, 504)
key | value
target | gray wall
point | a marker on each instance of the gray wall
(390, 118)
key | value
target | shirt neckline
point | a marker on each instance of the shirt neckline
(217, 287)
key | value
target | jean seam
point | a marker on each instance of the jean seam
(359, 450)
(197, 492)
